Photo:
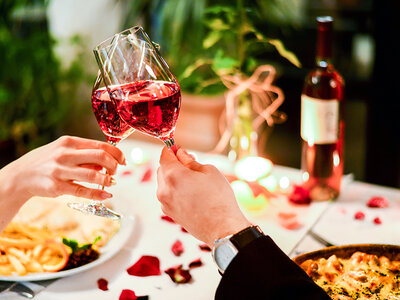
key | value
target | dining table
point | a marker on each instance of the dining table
(316, 225)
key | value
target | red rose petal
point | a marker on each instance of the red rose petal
(127, 295)
(102, 284)
(177, 248)
(127, 172)
(291, 224)
(378, 202)
(179, 275)
(183, 230)
(205, 247)
(359, 215)
(148, 174)
(168, 219)
(257, 189)
(377, 221)
(287, 215)
(196, 263)
(146, 266)
(300, 195)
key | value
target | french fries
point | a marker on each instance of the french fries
(25, 249)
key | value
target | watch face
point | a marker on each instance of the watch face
(224, 253)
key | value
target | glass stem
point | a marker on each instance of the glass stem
(98, 202)
(169, 142)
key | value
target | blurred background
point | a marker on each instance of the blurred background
(48, 69)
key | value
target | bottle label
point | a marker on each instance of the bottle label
(319, 120)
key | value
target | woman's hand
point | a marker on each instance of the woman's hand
(53, 170)
(198, 197)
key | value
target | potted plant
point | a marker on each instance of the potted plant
(35, 95)
(203, 41)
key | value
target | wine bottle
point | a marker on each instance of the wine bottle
(322, 125)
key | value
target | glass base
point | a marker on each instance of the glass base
(95, 209)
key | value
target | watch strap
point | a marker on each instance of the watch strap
(246, 236)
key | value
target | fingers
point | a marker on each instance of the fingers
(86, 175)
(81, 143)
(90, 157)
(168, 159)
(188, 160)
(78, 190)
(92, 167)
(114, 151)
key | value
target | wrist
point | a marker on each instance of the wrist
(225, 249)
(228, 228)
(12, 187)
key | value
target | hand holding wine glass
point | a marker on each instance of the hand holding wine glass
(115, 130)
(146, 94)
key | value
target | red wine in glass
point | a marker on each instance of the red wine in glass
(115, 130)
(149, 106)
(113, 127)
(146, 93)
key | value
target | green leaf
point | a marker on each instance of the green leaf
(73, 244)
(217, 9)
(223, 65)
(218, 24)
(191, 68)
(290, 56)
(96, 240)
(211, 39)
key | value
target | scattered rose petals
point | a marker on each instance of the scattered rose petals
(257, 189)
(179, 275)
(168, 219)
(286, 215)
(205, 247)
(342, 210)
(377, 221)
(127, 295)
(359, 215)
(184, 230)
(289, 220)
(127, 172)
(300, 195)
(146, 266)
(177, 248)
(148, 174)
(378, 202)
(291, 224)
(102, 284)
(196, 263)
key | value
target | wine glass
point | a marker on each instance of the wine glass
(115, 130)
(146, 93)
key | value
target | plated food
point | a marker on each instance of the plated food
(369, 271)
(47, 236)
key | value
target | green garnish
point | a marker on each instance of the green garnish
(74, 245)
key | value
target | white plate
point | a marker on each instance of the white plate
(115, 244)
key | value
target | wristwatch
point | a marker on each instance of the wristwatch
(225, 249)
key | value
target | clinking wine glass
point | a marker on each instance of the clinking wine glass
(146, 93)
(115, 130)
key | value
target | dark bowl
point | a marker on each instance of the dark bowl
(390, 251)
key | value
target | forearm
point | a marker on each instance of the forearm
(12, 195)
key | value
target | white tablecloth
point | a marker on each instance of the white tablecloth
(333, 221)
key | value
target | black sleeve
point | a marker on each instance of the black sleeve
(262, 271)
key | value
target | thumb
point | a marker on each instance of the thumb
(188, 160)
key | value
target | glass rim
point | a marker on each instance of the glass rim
(110, 41)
